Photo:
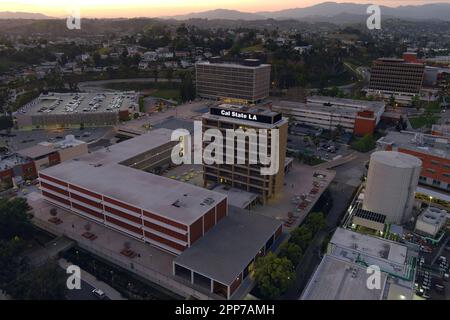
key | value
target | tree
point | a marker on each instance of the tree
(301, 237)
(14, 218)
(291, 251)
(365, 143)
(11, 261)
(273, 275)
(47, 282)
(187, 88)
(392, 101)
(316, 221)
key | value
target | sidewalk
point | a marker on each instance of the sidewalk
(110, 292)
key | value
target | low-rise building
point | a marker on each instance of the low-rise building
(76, 109)
(434, 151)
(355, 116)
(343, 273)
(431, 221)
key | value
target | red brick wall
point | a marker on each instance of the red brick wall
(43, 176)
(124, 225)
(89, 193)
(50, 187)
(6, 174)
(236, 283)
(165, 220)
(164, 241)
(196, 230)
(221, 210)
(29, 171)
(56, 198)
(169, 232)
(54, 158)
(88, 211)
(209, 220)
(123, 205)
(428, 163)
(123, 215)
(364, 126)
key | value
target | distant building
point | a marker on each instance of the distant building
(75, 109)
(27, 162)
(400, 78)
(432, 150)
(246, 176)
(248, 81)
(355, 116)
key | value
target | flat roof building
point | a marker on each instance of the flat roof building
(343, 275)
(215, 263)
(76, 109)
(241, 173)
(434, 151)
(109, 186)
(244, 81)
(401, 78)
(355, 116)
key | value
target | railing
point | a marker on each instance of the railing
(154, 276)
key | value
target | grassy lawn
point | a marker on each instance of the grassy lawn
(169, 94)
(257, 47)
(423, 121)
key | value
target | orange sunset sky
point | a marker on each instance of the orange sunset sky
(154, 8)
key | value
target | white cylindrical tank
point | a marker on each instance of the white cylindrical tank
(391, 185)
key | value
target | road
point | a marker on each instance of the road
(84, 293)
(342, 189)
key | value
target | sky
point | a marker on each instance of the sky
(157, 8)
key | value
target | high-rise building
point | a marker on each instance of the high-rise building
(401, 78)
(247, 81)
(247, 176)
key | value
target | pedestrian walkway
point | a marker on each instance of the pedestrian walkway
(110, 292)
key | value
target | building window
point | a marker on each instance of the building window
(431, 171)
(434, 162)
(422, 179)
(436, 183)
(447, 175)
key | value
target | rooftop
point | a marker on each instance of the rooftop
(328, 105)
(244, 64)
(36, 151)
(423, 143)
(337, 279)
(72, 103)
(371, 246)
(396, 159)
(102, 172)
(223, 261)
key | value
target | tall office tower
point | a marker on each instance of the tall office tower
(247, 176)
(401, 78)
(247, 81)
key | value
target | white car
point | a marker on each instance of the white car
(99, 294)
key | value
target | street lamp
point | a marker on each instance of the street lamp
(429, 204)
